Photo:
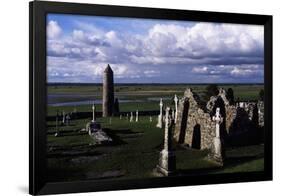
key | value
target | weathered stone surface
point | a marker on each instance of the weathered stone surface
(160, 116)
(217, 150)
(167, 159)
(108, 92)
(94, 112)
(95, 131)
(195, 128)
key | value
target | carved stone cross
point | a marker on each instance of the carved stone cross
(94, 111)
(137, 116)
(176, 107)
(218, 119)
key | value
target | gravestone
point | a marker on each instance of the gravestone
(218, 150)
(131, 117)
(67, 119)
(63, 118)
(160, 116)
(94, 112)
(137, 116)
(150, 119)
(167, 160)
(57, 127)
(176, 107)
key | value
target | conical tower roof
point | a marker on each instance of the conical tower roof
(108, 69)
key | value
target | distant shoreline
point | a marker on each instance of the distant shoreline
(143, 84)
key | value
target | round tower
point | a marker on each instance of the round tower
(108, 92)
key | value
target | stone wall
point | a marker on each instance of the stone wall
(195, 128)
(228, 111)
(193, 122)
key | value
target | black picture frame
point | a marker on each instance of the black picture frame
(37, 104)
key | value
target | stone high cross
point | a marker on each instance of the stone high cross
(218, 150)
(161, 106)
(160, 117)
(57, 119)
(94, 111)
(218, 119)
(131, 117)
(63, 117)
(137, 116)
(176, 107)
(167, 159)
(167, 134)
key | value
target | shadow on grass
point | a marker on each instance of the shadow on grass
(73, 153)
(192, 172)
(126, 131)
(74, 132)
(235, 161)
(229, 162)
(116, 140)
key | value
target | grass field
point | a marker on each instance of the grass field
(143, 97)
(136, 146)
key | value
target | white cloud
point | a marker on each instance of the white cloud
(205, 48)
(53, 29)
(151, 73)
(200, 69)
(238, 72)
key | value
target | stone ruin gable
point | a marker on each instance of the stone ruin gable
(194, 126)
(230, 110)
(261, 113)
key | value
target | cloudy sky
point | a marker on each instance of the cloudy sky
(152, 51)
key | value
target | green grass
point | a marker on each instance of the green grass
(244, 92)
(124, 107)
(135, 152)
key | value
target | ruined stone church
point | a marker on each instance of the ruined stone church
(195, 128)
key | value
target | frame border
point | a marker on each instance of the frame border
(37, 96)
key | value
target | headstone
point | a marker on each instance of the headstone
(167, 160)
(94, 112)
(120, 117)
(131, 117)
(67, 119)
(176, 107)
(160, 116)
(150, 119)
(137, 116)
(218, 150)
(57, 128)
(241, 104)
(108, 92)
(63, 117)
(127, 116)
